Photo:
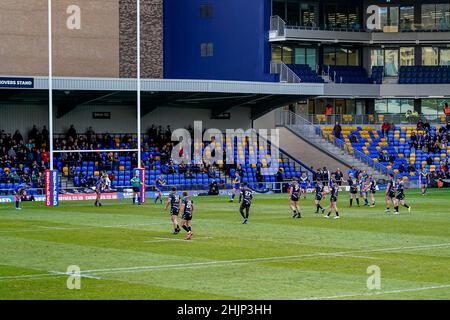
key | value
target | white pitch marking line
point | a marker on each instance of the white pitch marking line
(377, 293)
(238, 261)
(74, 275)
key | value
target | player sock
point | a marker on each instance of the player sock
(185, 228)
(17, 204)
(189, 229)
(351, 202)
(357, 201)
(396, 209)
(242, 213)
(406, 206)
(337, 214)
(156, 200)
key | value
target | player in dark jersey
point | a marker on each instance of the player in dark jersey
(364, 186)
(174, 202)
(319, 196)
(236, 186)
(247, 196)
(372, 191)
(334, 193)
(294, 197)
(400, 196)
(187, 209)
(304, 183)
(424, 180)
(159, 184)
(19, 192)
(99, 187)
(353, 184)
(390, 192)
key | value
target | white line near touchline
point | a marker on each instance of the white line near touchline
(377, 293)
(228, 262)
(262, 259)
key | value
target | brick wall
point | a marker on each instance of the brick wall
(151, 38)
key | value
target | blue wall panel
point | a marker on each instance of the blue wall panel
(238, 29)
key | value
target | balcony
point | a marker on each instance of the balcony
(279, 31)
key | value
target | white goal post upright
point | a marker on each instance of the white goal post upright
(51, 175)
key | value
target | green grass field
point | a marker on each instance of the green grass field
(128, 252)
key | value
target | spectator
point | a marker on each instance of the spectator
(392, 159)
(338, 176)
(401, 168)
(385, 129)
(72, 133)
(429, 160)
(447, 111)
(337, 130)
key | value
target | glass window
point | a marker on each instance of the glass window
(353, 20)
(393, 17)
(329, 56)
(433, 107)
(394, 105)
(407, 56)
(383, 17)
(391, 62)
(300, 56)
(353, 57)
(350, 107)
(430, 56)
(406, 18)
(428, 16)
(279, 9)
(311, 57)
(444, 57)
(330, 15)
(341, 16)
(442, 15)
(288, 55)
(406, 104)
(276, 53)
(376, 57)
(381, 106)
(293, 13)
(308, 14)
(341, 57)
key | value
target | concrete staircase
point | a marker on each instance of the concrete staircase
(306, 133)
(309, 153)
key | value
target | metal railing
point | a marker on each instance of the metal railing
(302, 125)
(277, 26)
(371, 119)
(286, 74)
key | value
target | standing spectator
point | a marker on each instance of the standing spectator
(72, 133)
(337, 130)
(447, 111)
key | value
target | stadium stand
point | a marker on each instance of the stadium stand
(405, 150)
(347, 74)
(26, 162)
(377, 74)
(424, 74)
(305, 73)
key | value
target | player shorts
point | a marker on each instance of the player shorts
(245, 205)
(136, 189)
(400, 196)
(174, 211)
(318, 197)
(353, 191)
(373, 191)
(304, 186)
(333, 199)
(187, 216)
(391, 194)
(294, 197)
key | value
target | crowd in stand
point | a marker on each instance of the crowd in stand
(24, 161)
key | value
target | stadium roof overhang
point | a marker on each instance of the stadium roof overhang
(218, 96)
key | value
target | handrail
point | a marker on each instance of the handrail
(277, 24)
(286, 74)
(310, 128)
